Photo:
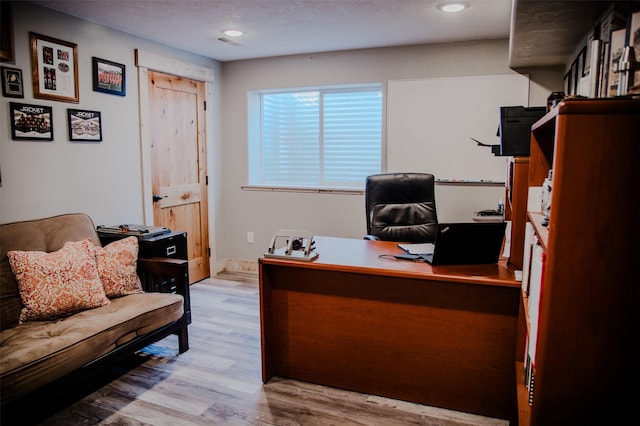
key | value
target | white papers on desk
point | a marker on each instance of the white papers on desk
(424, 248)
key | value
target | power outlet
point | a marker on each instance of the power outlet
(250, 237)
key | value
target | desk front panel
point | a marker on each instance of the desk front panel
(441, 343)
(376, 258)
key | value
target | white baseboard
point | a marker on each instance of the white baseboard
(233, 265)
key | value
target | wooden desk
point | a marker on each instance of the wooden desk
(443, 336)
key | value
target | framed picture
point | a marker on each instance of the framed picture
(7, 51)
(84, 125)
(615, 53)
(581, 60)
(569, 81)
(11, 82)
(588, 53)
(604, 70)
(31, 122)
(54, 65)
(634, 41)
(109, 77)
(574, 77)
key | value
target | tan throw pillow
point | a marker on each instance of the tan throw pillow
(59, 283)
(117, 264)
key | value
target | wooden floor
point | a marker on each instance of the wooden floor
(218, 381)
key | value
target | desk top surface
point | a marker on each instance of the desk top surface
(376, 257)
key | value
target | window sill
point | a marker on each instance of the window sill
(347, 191)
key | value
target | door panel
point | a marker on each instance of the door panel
(178, 163)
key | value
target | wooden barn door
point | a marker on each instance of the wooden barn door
(178, 163)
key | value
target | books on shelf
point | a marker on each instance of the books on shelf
(596, 71)
(634, 41)
(533, 273)
(530, 240)
(535, 279)
(616, 49)
(595, 51)
(535, 289)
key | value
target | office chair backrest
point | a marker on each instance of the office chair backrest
(401, 207)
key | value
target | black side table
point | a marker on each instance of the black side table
(172, 244)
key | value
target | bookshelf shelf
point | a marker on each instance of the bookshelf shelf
(586, 324)
(541, 231)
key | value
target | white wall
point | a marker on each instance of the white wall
(331, 213)
(103, 179)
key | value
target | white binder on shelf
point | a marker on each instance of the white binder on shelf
(530, 240)
(535, 292)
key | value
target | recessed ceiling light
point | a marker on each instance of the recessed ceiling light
(453, 7)
(232, 33)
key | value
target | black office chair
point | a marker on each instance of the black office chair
(401, 207)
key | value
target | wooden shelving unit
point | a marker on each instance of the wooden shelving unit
(587, 341)
(541, 231)
(516, 206)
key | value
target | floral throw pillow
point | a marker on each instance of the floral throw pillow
(59, 283)
(117, 264)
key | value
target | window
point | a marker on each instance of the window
(319, 138)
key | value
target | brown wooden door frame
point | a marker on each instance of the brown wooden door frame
(146, 62)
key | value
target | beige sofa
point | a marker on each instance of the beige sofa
(38, 357)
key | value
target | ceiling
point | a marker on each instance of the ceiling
(286, 27)
(548, 32)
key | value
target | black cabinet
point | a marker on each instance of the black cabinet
(172, 244)
(170, 276)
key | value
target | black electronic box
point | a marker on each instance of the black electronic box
(515, 129)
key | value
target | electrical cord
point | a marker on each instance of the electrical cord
(396, 257)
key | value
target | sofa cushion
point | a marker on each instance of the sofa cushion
(35, 353)
(48, 235)
(59, 283)
(117, 267)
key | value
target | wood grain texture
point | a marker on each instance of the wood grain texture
(428, 341)
(588, 311)
(218, 381)
(178, 163)
(518, 199)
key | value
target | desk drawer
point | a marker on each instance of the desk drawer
(172, 245)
